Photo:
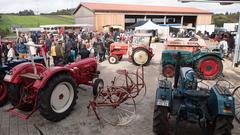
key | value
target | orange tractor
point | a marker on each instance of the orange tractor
(138, 51)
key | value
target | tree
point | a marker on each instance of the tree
(26, 13)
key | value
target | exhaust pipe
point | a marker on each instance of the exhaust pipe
(177, 69)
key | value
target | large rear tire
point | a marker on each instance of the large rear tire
(58, 98)
(140, 56)
(209, 67)
(3, 93)
(236, 95)
(14, 95)
(160, 121)
(221, 126)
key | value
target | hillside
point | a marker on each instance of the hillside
(34, 21)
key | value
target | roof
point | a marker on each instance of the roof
(106, 7)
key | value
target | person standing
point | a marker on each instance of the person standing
(22, 50)
(11, 53)
(44, 46)
(53, 53)
(84, 52)
(223, 46)
(59, 53)
(32, 49)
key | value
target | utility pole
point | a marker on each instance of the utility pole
(237, 46)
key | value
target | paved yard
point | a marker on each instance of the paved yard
(79, 123)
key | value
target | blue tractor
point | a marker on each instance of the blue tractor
(213, 109)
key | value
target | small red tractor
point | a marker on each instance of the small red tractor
(139, 50)
(52, 90)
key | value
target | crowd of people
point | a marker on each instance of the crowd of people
(65, 47)
(224, 40)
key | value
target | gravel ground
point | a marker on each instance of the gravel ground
(80, 123)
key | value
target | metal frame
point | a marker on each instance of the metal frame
(122, 93)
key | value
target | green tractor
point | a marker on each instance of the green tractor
(208, 65)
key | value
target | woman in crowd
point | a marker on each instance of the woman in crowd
(53, 53)
(11, 53)
(22, 50)
(59, 53)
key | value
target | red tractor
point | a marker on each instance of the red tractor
(139, 50)
(52, 90)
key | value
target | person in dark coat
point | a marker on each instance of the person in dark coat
(84, 52)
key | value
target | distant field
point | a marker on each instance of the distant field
(34, 21)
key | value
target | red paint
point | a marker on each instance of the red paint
(22, 68)
(209, 67)
(168, 71)
(117, 48)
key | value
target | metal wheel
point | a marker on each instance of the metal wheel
(58, 98)
(168, 70)
(112, 106)
(136, 86)
(97, 86)
(113, 59)
(236, 95)
(62, 97)
(140, 56)
(209, 67)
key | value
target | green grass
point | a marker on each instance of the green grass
(34, 21)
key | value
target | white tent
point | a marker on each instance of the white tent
(163, 31)
(149, 25)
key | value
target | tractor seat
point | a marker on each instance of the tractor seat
(196, 95)
(122, 72)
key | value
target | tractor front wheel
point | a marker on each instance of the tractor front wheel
(141, 56)
(209, 67)
(160, 121)
(168, 70)
(113, 59)
(221, 126)
(97, 86)
(3, 93)
(58, 98)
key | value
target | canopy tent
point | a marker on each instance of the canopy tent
(149, 25)
(162, 31)
(139, 23)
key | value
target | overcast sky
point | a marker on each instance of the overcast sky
(44, 6)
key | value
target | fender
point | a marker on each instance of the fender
(14, 74)
(49, 73)
(200, 55)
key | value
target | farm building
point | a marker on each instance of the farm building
(103, 14)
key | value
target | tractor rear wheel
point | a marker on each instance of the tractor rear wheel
(58, 98)
(168, 70)
(113, 59)
(14, 95)
(97, 86)
(140, 56)
(160, 121)
(209, 67)
(221, 126)
(3, 93)
(236, 95)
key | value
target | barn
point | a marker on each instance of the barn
(102, 14)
